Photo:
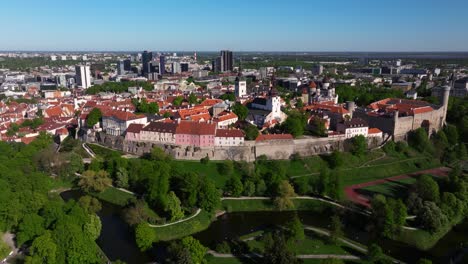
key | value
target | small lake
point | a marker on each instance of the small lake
(117, 239)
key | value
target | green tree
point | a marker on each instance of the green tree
(90, 204)
(427, 188)
(92, 181)
(251, 132)
(336, 229)
(93, 117)
(431, 217)
(228, 96)
(192, 99)
(121, 178)
(419, 140)
(178, 101)
(277, 250)
(173, 207)
(196, 249)
(249, 188)
(234, 186)
(93, 226)
(240, 110)
(30, 227)
(42, 250)
(295, 229)
(283, 196)
(375, 254)
(145, 236)
(209, 198)
(359, 146)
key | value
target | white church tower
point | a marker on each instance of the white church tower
(240, 89)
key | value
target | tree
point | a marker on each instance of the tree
(30, 227)
(299, 103)
(419, 140)
(173, 207)
(427, 188)
(92, 181)
(336, 229)
(93, 117)
(93, 226)
(209, 197)
(234, 186)
(121, 178)
(336, 159)
(196, 249)
(177, 101)
(283, 196)
(251, 132)
(145, 236)
(295, 229)
(240, 110)
(375, 254)
(294, 125)
(228, 96)
(90, 204)
(452, 134)
(277, 250)
(42, 250)
(249, 188)
(192, 99)
(431, 217)
(359, 146)
(178, 254)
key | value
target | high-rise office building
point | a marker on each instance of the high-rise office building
(83, 76)
(120, 67)
(162, 64)
(216, 65)
(176, 68)
(317, 69)
(146, 58)
(227, 61)
(184, 67)
(127, 64)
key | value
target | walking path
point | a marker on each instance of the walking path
(8, 238)
(179, 221)
(89, 151)
(314, 256)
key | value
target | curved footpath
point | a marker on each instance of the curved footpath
(179, 221)
(315, 256)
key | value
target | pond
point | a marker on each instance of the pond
(117, 239)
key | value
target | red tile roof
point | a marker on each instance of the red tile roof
(374, 130)
(262, 137)
(229, 133)
(134, 128)
(194, 128)
(122, 115)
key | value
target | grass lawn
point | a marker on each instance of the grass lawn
(374, 172)
(192, 226)
(103, 151)
(209, 170)
(394, 189)
(115, 196)
(267, 205)
(214, 260)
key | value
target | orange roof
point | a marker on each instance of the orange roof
(262, 137)
(374, 130)
(210, 102)
(121, 115)
(194, 128)
(229, 133)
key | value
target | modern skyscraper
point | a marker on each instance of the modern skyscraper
(128, 65)
(227, 61)
(184, 67)
(120, 67)
(162, 64)
(83, 76)
(176, 68)
(146, 58)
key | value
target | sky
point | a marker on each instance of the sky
(239, 25)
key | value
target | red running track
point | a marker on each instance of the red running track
(354, 196)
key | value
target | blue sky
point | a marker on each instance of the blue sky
(240, 25)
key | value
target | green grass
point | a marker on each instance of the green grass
(103, 151)
(267, 205)
(210, 170)
(115, 196)
(366, 174)
(214, 260)
(394, 189)
(425, 240)
(192, 226)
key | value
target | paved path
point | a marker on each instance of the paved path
(89, 151)
(314, 256)
(180, 221)
(352, 190)
(344, 241)
(8, 238)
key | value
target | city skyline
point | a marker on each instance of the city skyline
(306, 26)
